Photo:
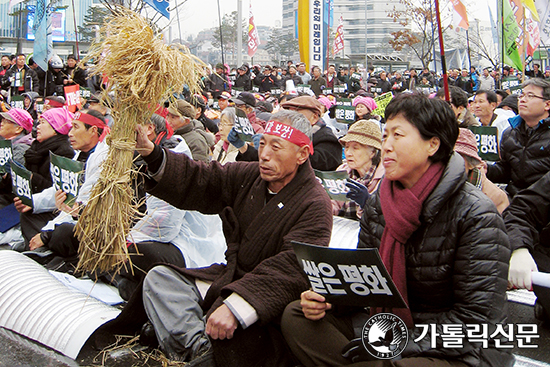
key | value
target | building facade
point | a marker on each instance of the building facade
(356, 17)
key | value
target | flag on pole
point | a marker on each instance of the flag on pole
(14, 2)
(460, 17)
(530, 4)
(339, 38)
(534, 36)
(161, 6)
(42, 48)
(510, 34)
(253, 36)
(543, 10)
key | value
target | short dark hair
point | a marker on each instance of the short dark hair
(491, 96)
(21, 55)
(458, 96)
(97, 114)
(71, 56)
(501, 93)
(541, 83)
(8, 56)
(432, 117)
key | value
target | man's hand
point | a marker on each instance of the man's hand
(144, 146)
(313, 305)
(221, 324)
(35, 242)
(21, 208)
(60, 197)
(521, 266)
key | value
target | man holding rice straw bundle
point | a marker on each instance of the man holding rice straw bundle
(230, 312)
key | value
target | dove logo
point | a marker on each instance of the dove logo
(385, 336)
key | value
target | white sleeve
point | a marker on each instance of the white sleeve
(243, 311)
(44, 201)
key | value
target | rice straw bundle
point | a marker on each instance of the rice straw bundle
(142, 71)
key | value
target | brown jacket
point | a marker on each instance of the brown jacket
(261, 265)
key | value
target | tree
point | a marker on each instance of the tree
(95, 17)
(418, 21)
(281, 46)
(229, 33)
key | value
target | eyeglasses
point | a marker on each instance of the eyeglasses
(529, 96)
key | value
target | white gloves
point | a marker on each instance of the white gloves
(521, 266)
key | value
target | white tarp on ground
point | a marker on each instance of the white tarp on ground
(35, 304)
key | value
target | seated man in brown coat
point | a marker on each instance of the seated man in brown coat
(230, 312)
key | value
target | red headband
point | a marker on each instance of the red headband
(288, 133)
(93, 121)
(53, 103)
(89, 120)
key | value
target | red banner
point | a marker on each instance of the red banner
(72, 96)
(253, 36)
(339, 38)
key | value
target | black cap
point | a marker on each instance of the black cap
(245, 98)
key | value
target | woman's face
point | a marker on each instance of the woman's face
(361, 110)
(44, 131)
(404, 152)
(225, 127)
(359, 156)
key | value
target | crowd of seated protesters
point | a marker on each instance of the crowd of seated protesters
(220, 208)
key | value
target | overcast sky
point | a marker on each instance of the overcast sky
(197, 15)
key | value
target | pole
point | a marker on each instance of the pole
(179, 25)
(221, 33)
(524, 48)
(19, 30)
(75, 34)
(442, 51)
(502, 39)
(468, 47)
(433, 45)
(366, 36)
(328, 35)
(239, 32)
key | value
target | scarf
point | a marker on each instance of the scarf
(39, 151)
(402, 208)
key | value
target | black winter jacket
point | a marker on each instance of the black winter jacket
(243, 81)
(457, 265)
(327, 150)
(524, 157)
(528, 215)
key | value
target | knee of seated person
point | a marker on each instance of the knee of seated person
(292, 311)
(155, 276)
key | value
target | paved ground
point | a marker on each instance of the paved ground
(18, 351)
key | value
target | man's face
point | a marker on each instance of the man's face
(5, 61)
(219, 71)
(292, 71)
(175, 121)
(331, 70)
(223, 103)
(529, 106)
(301, 68)
(383, 75)
(464, 73)
(20, 61)
(482, 108)
(413, 73)
(267, 71)
(279, 161)
(316, 72)
(240, 71)
(485, 72)
(71, 63)
(535, 67)
(82, 138)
